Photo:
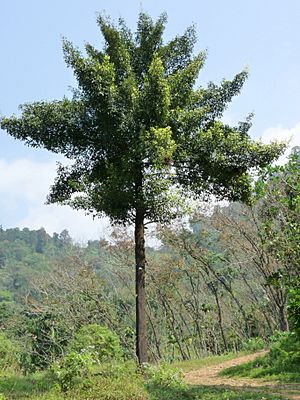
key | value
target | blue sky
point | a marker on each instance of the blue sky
(261, 35)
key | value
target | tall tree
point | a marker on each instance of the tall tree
(142, 137)
(278, 193)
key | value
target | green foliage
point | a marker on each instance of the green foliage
(23, 255)
(97, 340)
(33, 386)
(73, 368)
(254, 344)
(294, 307)
(9, 354)
(48, 337)
(279, 192)
(164, 375)
(190, 365)
(111, 382)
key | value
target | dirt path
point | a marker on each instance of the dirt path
(209, 376)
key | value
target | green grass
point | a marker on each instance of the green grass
(26, 387)
(191, 365)
(41, 387)
(208, 393)
(282, 363)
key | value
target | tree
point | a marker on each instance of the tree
(278, 192)
(141, 136)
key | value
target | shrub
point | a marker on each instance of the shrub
(164, 376)
(71, 367)
(97, 340)
(285, 354)
(47, 336)
(9, 353)
(294, 308)
(254, 344)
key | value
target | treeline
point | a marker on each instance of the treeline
(25, 252)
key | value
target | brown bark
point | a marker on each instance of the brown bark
(140, 259)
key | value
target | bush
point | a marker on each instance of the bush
(47, 336)
(164, 376)
(72, 367)
(254, 344)
(9, 353)
(97, 340)
(285, 354)
(277, 336)
(294, 308)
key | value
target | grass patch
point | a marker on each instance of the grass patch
(26, 387)
(282, 363)
(191, 365)
(42, 386)
(208, 393)
(106, 388)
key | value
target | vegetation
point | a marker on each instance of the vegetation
(141, 136)
(123, 388)
(144, 141)
(71, 315)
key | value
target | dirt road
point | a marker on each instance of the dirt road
(209, 376)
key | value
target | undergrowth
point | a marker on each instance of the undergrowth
(121, 381)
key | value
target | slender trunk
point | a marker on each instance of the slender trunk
(220, 319)
(140, 260)
(283, 321)
(155, 338)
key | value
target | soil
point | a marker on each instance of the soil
(209, 376)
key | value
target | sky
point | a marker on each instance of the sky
(261, 35)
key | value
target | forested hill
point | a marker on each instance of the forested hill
(25, 254)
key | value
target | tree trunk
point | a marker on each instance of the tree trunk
(140, 260)
(283, 321)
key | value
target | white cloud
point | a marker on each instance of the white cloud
(291, 135)
(25, 179)
(24, 185)
(56, 218)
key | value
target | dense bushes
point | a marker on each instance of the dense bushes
(9, 354)
(92, 345)
(97, 340)
(294, 308)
